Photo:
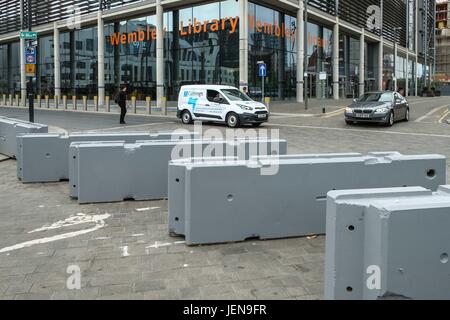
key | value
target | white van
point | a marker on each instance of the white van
(219, 104)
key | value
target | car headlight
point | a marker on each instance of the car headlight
(245, 107)
(381, 110)
(348, 110)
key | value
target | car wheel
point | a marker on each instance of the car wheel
(390, 121)
(232, 120)
(186, 117)
(256, 125)
(407, 115)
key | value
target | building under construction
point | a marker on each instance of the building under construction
(442, 73)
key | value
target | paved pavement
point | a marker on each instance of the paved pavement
(133, 257)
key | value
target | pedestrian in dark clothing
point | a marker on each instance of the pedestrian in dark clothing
(121, 100)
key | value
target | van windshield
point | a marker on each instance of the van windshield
(235, 95)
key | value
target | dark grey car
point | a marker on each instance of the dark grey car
(384, 107)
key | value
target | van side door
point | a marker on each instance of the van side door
(210, 107)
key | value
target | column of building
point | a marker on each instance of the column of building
(57, 70)
(243, 45)
(101, 60)
(362, 65)
(159, 55)
(300, 50)
(23, 79)
(336, 60)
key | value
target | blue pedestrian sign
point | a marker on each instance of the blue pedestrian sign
(262, 70)
(30, 55)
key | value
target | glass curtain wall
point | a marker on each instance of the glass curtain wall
(4, 69)
(319, 49)
(400, 72)
(202, 46)
(272, 40)
(85, 62)
(372, 70)
(14, 68)
(388, 69)
(130, 56)
(67, 76)
(411, 78)
(348, 66)
(45, 82)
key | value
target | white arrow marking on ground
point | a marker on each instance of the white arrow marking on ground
(99, 223)
(79, 218)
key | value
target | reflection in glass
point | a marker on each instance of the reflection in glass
(272, 40)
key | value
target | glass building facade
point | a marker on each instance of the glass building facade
(201, 44)
(272, 40)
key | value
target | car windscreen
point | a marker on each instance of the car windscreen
(376, 97)
(235, 95)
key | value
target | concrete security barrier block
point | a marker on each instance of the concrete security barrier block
(45, 157)
(391, 243)
(10, 128)
(177, 192)
(108, 172)
(251, 202)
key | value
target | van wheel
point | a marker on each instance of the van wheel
(186, 117)
(232, 120)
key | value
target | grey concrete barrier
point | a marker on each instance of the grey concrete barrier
(10, 128)
(45, 157)
(177, 191)
(177, 182)
(292, 202)
(108, 172)
(391, 243)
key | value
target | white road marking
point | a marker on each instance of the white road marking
(125, 251)
(360, 130)
(138, 235)
(159, 244)
(444, 116)
(147, 209)
(99, 223)
(430, 113)
(333, 114)
(130, 126)
(79, 218)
